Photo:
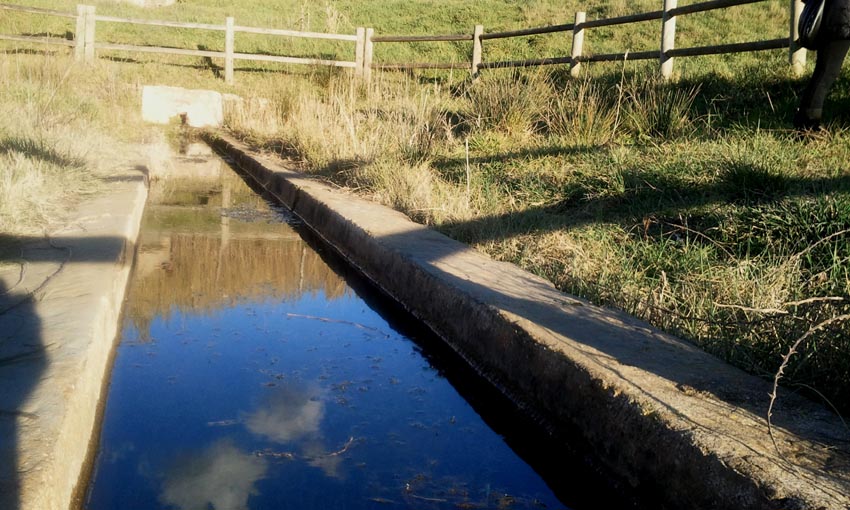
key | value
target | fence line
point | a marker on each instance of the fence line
(364, 40)
(624, 20)
(710, 6)
(159, 49)
(528, 31)
(295, 33)
(664, 54)
(422, 38)
(620, 57)
(85, 44)
(773, 44)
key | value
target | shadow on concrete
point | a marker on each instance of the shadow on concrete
(24, 355)
(23, 359)
(61, 249)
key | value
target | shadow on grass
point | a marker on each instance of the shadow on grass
(67, 35)
(757, 97)
(39, 150)
(644, 194)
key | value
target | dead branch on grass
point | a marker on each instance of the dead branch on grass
(785, 360)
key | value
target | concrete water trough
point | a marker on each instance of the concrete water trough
(663, 416)
(667, 418)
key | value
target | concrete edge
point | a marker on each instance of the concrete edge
(91, 300)
(644, 443)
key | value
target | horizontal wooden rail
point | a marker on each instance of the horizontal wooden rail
(614, 57)
(421, 65)
(422, 38)
(526, 63)
(292, 60)
(159, 49)
(622, 20)
(221, 54)
(709, 6)
(772, 44)
(35, 10)
(294, 33)
(159, 23)
(40, 40)
(529, 31)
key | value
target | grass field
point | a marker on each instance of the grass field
(691, 205)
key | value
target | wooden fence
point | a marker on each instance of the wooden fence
(85, 44)
(364, 40)
(665, 54)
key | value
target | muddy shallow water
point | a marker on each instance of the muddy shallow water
(255, 372)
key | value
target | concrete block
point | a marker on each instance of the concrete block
(201, 108)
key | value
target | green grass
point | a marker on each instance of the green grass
(690, 205)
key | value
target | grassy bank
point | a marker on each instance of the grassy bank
(43, 145)
(692, 206)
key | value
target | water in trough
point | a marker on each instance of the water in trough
(255, 371)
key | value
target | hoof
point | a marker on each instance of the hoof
(802, 123)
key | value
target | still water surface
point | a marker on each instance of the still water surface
(251, 375)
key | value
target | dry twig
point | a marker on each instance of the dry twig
(785, 359)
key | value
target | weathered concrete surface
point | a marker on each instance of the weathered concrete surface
(666, 417)
(201, 108)
(60, 302)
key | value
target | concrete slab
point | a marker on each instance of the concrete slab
(664, 416)
(60, 303)
(200, 108)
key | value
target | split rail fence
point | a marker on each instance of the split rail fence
(364, 39)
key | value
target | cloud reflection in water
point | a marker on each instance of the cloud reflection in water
(293, 415)
(219, 478)
(289, 414)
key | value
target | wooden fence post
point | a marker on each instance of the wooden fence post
(229, 39)
(359, 48)
(797, 54)
(477, 50)
(368, 52)
(80, 35)
(88, 49)
(578, 44)
(668, 39)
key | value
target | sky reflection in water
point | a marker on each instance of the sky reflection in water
(238, 388)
